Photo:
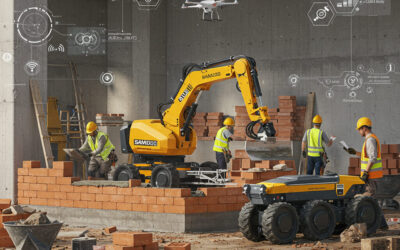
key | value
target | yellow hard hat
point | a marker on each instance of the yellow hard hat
(229, 122)
(317, 119)
(364, 121)
(91, 127)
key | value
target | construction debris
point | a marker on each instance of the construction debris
(39, 218)
(110, 230)
(15, 209)
(354, 233)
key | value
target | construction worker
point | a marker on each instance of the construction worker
(99, 148)
(371, 162)
(313, 139)
(221, 143)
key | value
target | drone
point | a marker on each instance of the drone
(210, 7)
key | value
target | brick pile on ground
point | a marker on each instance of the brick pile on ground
(132, 240)
(246, 171)
(5, 240)
(390, 161)
(53, 187)
(288, 120)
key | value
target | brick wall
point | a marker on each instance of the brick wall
(52, 187)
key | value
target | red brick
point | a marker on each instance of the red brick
(251, 175)
(394, 148)
(216, 191)
(4, 203)
(38, 187)
(95, 205)
(95, 190)
(46, 180)
(124, 206)
(386, 172)
(247, 164)
(227, 200)
(31, 164)
(237, 164)
(65, 171)
(30, 194)
(165, 200)
(6, 242)
(186, 201)
(155, 192)
(139, 207)
(140, 191)
(151, 246)
(384, 163)
(66, 180)
(62, 164)
(239, 153)
(53, 203)
(352, 171)
(155, 208)
(66, 203)
(234, 190)
(178, 192)
(133, 199)
(80, 204)
(242, 199)
(45, 195)
(53, 188)
(38, 172)
(74, 196)
(124, 191)
(9, 217)
(394, 171)
(208, 200)
(103, 197)
(109, 190)
(172, 209)
(117, 198)
(115, 247)
(88, 197)
(60, 195)
(23, 201)
(384, 148)
(110, 205)
(199, 209)
(177, 246)
(354, 162)
(38, 201)
(149, 200)
(80, 189)
(30, 179)
(392, 163)
(110, 230)
(135, 183)
(23, 186)
(23, 171)
(132, 238)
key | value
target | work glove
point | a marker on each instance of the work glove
(351, 151)
(90, 155)
(304, 154)
(364, 176)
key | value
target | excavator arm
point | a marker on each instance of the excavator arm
(183, 107)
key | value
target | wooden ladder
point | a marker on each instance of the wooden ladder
(40, 118)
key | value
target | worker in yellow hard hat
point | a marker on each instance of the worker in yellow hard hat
(371, 161)
(100, 150)
(221, 143)
(314, 140)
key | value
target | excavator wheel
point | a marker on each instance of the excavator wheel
(248, 223)
(280, 223)
(165, 176)
(318, 220)
(364, 209)
(126, 172)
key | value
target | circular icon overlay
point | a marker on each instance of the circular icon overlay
(107, 78)
(34, 25)
(330, 94)
(353, 94)
(32, 68)
(7, 57)
(293, 80)
(353, 80)
(370, 90)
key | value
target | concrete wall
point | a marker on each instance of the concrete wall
(279, 35)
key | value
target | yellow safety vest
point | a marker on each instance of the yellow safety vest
(314, 141)
(376, 170)
(220, 142)
(108, 147)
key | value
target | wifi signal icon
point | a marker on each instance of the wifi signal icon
(32, 68)
(52, 48)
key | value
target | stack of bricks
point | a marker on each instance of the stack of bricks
(132, 240)
(5, 240)
(53, 187)
(390, 161)
(288, 120)
(177, 246)
(214, 123)
(246, 171)
(109, 119)
(200, 125)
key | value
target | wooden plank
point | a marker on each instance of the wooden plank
(307, 125)
(39, 111)
(78, 102)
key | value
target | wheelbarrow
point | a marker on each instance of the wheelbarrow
(32, 237)
(387, 188)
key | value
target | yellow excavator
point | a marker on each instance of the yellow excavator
(160, 145)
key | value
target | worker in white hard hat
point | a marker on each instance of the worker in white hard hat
(221, 143)
(313, 139)
(100, 150)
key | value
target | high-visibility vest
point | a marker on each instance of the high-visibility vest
(221, 143)
(376, 170)
(314, 141)
(108, 147)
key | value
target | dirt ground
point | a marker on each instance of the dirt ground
(232, 241)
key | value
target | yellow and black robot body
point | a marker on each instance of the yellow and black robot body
(159, 146)
(317, 206)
